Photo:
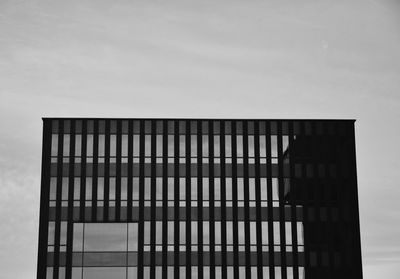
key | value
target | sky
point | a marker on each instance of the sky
(214, 59)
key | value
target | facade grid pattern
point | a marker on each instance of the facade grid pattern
(194, 198)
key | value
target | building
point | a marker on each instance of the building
(198, 198)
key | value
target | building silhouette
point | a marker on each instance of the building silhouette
(198, 198)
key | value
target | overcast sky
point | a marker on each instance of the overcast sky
(220, 58)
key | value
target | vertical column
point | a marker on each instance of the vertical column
(246, 197)
(200, 198)
(235, 202)
(118, 172)
(95, 169)
(188, 201)
(141, 201)
(70, 200)
(258, 200)
(271, 249)
(176, 200)
(223, 202)
(130, 171)
(44, 199)
(58, 199)
(107, 170)
(293, 200)
(211, 197)
(165, 200)
(153, 200)
(281, 195)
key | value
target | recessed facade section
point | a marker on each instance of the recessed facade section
(197, 198)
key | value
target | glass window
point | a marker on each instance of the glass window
(193, 145)
(89, 146)
(239, 145)
(64, 189)
(102, 145)
(113, 145)
(274, 146)
(228, 146)
(252, 189)
(275, 189)
(53, 188)
(104, 272)
(159, 188)
(76, 273)
(159, 145)
(171, 190)
(170, 145)
(277, 235)
(240, 188)
(170, 232)
(100, 188)
(78, 237)
(159, 233)
(170, 271)
(136, 141)
(146, 272)
(251, 146)
(285, 143)
(51, 230)
(216, 146)
(300, 235)
(263, 147)
(205, 189)
(61, 272)
(194, 232)
(241, 232)
(147, 188)
(288, 233)
(147, 232)
(217, 232)
(63, 233)
(66, 145)
(182, 272)
(77, 188)
(124, 145)
(263, 185)
(88, 187)
(205, 145)
(242, 272)
(54, 145)
(182, 187)
(112, 188)
(105, 237)
(229, 232)
(206, 233)
(217, 189)
(253, 233)
(124, 188)
(278, 274)
(132, 236)
(135, 188)
(228, 188)
(132, 272)
(182, 145)
(193, 182)
(264, 235)
(182, 232)
(194, 272)
(78, 145)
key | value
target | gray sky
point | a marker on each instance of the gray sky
(241, 59)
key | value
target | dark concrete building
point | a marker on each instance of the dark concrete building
(198, 198)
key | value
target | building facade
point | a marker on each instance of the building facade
(198, 198)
